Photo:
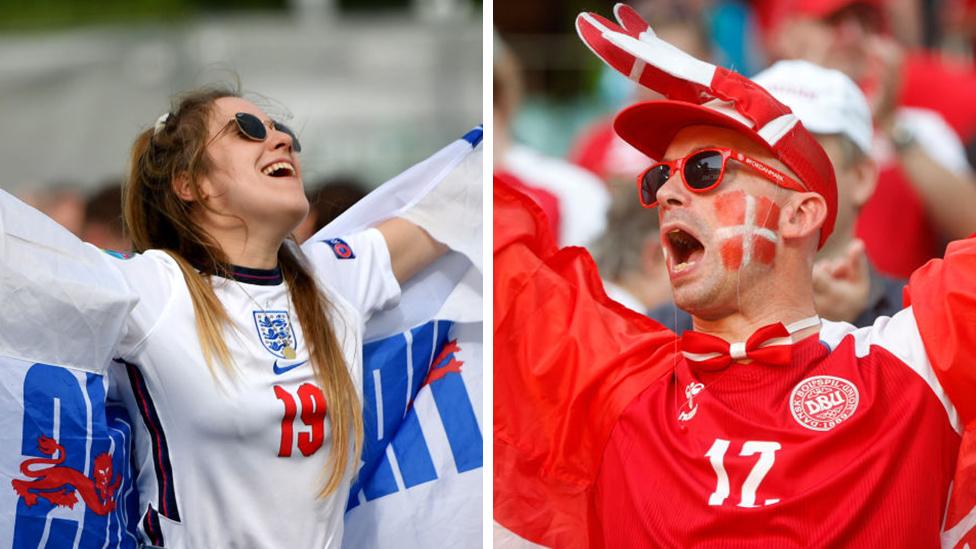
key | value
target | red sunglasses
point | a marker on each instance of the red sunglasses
(702, 171)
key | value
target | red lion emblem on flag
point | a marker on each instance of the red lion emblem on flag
(445, 363)
(61, 485)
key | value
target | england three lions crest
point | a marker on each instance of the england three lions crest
(276, 333)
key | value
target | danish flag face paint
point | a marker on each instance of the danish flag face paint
(749, 230)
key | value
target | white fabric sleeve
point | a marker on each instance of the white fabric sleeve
(68, 303)
(358, 268)
(898, 335)
(152, 276)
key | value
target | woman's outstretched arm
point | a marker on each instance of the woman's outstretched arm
(411, 247)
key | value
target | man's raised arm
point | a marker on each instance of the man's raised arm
(567, 359)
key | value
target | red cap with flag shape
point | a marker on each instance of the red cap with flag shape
(700, 93)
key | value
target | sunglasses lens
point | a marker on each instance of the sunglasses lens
(653, 180)
(703, 170)
(251, 126)
(295, 145)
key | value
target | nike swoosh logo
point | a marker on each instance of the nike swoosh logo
(282, 369)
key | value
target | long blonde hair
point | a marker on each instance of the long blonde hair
(157, 218)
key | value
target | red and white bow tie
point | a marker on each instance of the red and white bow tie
(770, 344)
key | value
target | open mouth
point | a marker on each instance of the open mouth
(684, 249)
(279, 169)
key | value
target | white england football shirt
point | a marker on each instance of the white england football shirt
(237, 460)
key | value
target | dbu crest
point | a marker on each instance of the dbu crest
(276, 333)
(61, 485)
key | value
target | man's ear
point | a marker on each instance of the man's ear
(803, 215)
(183, 188)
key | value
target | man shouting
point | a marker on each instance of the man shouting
(765, 426)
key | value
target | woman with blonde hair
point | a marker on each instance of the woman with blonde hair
(240, 362)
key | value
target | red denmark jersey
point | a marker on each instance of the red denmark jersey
(853, 443)
(606, 437)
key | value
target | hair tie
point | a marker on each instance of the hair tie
(160, 123)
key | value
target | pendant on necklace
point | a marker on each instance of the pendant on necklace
(289, 352)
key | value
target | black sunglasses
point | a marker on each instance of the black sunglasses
(255, 129)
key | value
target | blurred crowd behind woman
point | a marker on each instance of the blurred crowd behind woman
(96, 217)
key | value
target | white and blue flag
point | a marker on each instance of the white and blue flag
(65, 472)
(420, 483)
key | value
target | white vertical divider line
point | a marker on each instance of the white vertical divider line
(395, 467)
(378, 394)
(408, 336)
